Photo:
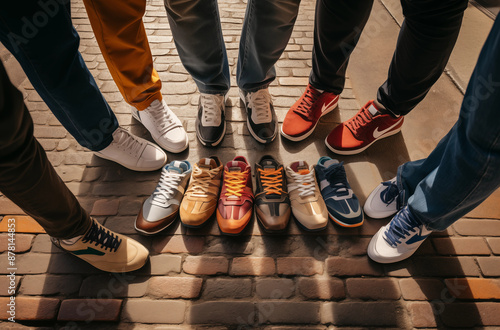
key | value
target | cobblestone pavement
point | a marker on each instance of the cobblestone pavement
(199, 279)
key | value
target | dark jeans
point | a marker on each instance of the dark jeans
(27, 177)
(42, 38)
(425, 42)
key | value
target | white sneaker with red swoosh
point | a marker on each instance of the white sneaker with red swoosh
(302, 118)
(361, 131)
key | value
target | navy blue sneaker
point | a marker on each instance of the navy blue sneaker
(343, 206)
(399, 239)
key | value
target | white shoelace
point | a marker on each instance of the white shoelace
(212, 105)
(163, 117)
(259, 103)
(306, 183)
(125, 141)
(168, 184)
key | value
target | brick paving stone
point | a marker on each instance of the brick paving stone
(490, 266)
(445, 266)
(9, 285)
(105, 207)
(222, 312)
(321, 288)
(29, 263)
(340, 266)
(153, 311)
(8, 207)
(494, 243)
(23, 224)
(473, 288)
(477, 227)
(232, 288)
(299, 266)
(373, 288)
(46, 285)
(288, 312)
(22, 242)
(467, 315)
(90, 310)
(461, 246)
(422, 289)
(162, 265)
(30, 308)
(253, 266)
(174, 287)
(373, 313)
(115, 285)
(43, 243)
(70, 173)
(273, 288)
(422, 314)
(205, 265)
(179, 244)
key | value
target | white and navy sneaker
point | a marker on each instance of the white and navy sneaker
(399, 239)
(211, 119)
(160, 210)
(384, 201)
(165, 128)
(133, 152)
(341, 202)
(261, 118)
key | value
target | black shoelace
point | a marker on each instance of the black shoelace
(335, 174)
(100, 236)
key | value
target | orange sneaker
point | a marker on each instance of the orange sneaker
(361, 131)
(235, 206)
(302, 118)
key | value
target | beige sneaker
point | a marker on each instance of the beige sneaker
(105, 250)
(200, 199)
(308, 207)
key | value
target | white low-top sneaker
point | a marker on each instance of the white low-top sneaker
(165, 128)
(384, 201)
(399, 239)
(133, 152)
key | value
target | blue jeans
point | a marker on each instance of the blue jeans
(42, 38)
(464, 169)
(197, 33)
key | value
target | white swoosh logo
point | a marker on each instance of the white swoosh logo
(377, 133)
(325, 106)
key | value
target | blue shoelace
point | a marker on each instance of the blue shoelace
(391, 193)
(335, 174)
(402, 225)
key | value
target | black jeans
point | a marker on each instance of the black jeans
(425, 42)
(26, 175)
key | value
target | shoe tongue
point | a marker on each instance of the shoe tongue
(207, 163)
(235, 166)
(300, 166)
(373, 110)
(330, 162)
(177, 166)
(268, 165)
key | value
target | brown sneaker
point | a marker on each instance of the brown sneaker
(200, 199)
(105, 250)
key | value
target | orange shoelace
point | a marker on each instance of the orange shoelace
(360, 119)
(272, 181)
(305, 106)
(235, 182)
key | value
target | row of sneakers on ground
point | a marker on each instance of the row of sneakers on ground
(398, 240)
(371, 123)
(312, 193)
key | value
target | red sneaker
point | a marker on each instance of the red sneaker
(361, 131)
(302, 118)
(235, 206)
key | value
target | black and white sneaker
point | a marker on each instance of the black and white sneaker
(211, 120)
(261, 118)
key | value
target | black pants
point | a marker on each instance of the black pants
(425, 42)
(26, 175)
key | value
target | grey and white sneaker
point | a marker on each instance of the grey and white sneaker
(161, 208)
(165, 128)
(261, 118)
(133, 152)
(384, 201)
(211, 119)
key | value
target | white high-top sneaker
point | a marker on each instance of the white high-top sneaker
(133, 152)
(164, 126)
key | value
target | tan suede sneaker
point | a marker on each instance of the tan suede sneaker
(308, 206)
(105, 250)
(200, 199)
